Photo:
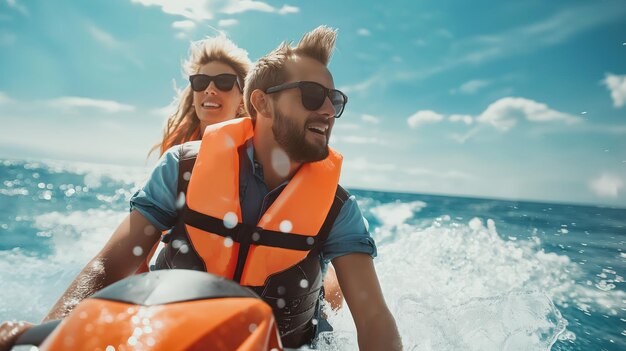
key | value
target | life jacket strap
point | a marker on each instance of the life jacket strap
(247, 234)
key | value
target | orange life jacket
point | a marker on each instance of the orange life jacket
(278, 257)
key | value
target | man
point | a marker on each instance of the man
(277, 225)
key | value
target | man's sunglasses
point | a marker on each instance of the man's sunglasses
(224, 82)
(314, 94)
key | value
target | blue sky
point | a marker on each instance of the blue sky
(517, 100)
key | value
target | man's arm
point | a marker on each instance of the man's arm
(121, 255)
(375, 325)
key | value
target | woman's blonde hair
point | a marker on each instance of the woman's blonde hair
(184, 125)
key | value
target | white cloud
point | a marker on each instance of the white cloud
(184, 25)
(555, 29)
(467, 119)
(504, 113)
(19, 7)
(363, 32)
(362, 86)
(286, 9)
(193, 9)
(607, 185)
(420, 118)
(473, 86)
(247, 5)
(103, 37)
(617, 85)
(227, 22)
(69, 102)
(370, 119)
(462, 138)
(199, 10)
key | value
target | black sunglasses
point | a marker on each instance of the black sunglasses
(314, 94)
(224, 82)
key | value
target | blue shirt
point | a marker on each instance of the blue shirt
(157, 199)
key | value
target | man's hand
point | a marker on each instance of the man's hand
(10, 331)
(375, 325)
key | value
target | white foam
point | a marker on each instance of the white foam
(397, 213)
(31, 284)
(458, 286)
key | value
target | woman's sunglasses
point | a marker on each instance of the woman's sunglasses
(223, 82)
(314, 94)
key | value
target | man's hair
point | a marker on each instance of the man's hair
(269, 70)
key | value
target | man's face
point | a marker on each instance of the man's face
(301, 133)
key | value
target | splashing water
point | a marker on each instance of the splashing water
(456, 273)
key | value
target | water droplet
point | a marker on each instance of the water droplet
(304, 283)
(180, 201)
(132, 341)
(280, 303)
(256, 236)
(184, 249)
(187, 176)
(177, 244)
(583, 113)
(281, 290)
(149, 230)
(230, 220)
(83, 315)
(110, 348)
(252, 327)
(285, 226)
(230, 143)
(314, 321)
(280, 162)
(150, 341)
(137, 251)
(228, 241)
(310, 240)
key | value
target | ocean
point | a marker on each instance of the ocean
(457, 273)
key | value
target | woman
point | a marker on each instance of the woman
(217, 69)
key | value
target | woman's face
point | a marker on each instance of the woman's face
(213, 105)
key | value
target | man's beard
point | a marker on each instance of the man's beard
(292, 139)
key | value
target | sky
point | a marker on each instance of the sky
(494, 99)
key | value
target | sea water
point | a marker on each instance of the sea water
(457, 273)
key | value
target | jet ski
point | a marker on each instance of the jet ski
(166, 310)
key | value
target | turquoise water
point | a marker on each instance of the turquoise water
(458, 273)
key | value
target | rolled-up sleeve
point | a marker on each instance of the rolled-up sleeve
(349, 234)
(156, 200)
